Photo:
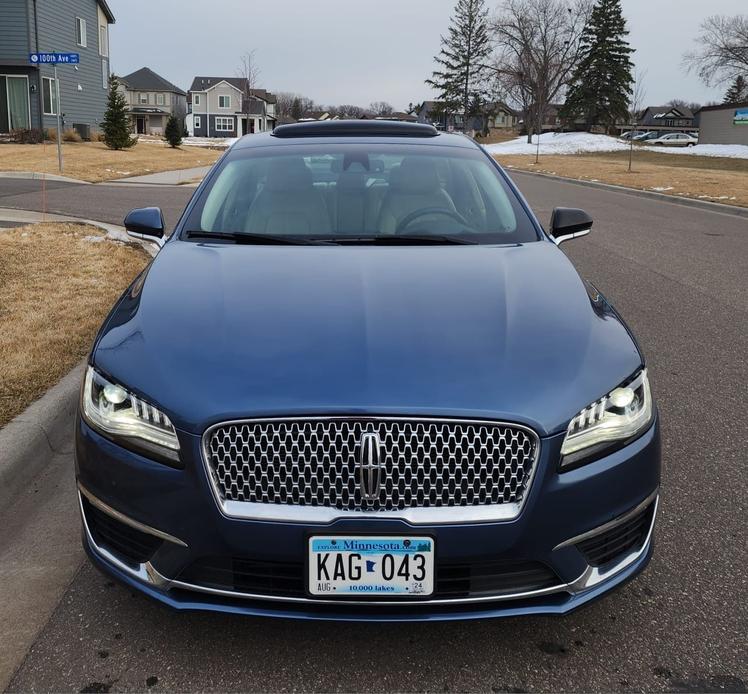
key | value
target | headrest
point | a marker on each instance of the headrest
(415, 176)
(288, 173)
(352, 180)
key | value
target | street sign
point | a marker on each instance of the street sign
(54, 58)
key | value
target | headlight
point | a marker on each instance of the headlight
(620, 416)
(115, 412)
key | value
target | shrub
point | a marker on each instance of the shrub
(173, 132)
(70, 135)
(52, 135)
(27, 136)
(97, 136)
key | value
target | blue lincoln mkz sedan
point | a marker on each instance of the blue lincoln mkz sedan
(361, 381)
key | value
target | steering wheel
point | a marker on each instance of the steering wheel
(410, 218)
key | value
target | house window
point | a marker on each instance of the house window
(105, 73)
(144, 98)
(224, 124)
(196, 99)
(198, 122)
(80, 32)
(49, 96)
(224, 101)
(103, 40)
(159, 99)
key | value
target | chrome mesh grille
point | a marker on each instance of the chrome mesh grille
(424, 463)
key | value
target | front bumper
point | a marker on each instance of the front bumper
(177, 508)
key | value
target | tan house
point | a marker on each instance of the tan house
(228, 107)
(151, 100)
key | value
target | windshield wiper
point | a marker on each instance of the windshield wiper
(406, 240)
(245, 237)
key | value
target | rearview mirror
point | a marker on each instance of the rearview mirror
(569, 223)
(146, 224)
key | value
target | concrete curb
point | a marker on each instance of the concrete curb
(33, 176)
(43, 430)
(661, 197)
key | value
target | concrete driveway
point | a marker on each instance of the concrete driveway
(680, 277)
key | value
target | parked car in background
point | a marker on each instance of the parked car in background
(649, 135)
(632, 134)
(675, 140)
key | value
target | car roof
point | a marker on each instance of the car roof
(355, 131)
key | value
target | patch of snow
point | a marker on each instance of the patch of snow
(95, 239)
(559, 143)
(727, 151)
(578, 143)
(217, 142)
(661, 189)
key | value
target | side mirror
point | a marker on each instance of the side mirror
(569, 223)
(146, 224)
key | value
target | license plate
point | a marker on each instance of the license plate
(342, 565)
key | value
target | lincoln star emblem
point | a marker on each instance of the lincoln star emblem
(370, 466)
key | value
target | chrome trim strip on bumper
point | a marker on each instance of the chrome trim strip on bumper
(122, 518)
(589, 578)
(600, 529)
(323, 515)
(597, 574)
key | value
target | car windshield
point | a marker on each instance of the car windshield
(358, 193)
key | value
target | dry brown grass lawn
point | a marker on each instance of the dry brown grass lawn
(707, 178)
(56, 288)
(93, 161)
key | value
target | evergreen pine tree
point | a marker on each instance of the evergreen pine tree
(463, 55)
(173, 131)
(737, 92)
(601, 85)
(116, 123)
(296, 108)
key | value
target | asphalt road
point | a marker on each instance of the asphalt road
(680, 277)
(103, 202)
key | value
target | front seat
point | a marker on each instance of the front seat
(351, 200)
(288, 202)
(414, 186)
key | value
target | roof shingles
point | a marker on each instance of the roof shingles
(146, 79)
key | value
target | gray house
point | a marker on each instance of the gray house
(151, 100)
(28, 96)
(228, 107)
(667, 119)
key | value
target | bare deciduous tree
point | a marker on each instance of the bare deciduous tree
(722, 54)
(381, 108)
(636, 106)
(350, 111)
(284, 102)
(537, 46)
(249, 72)
(682, 103)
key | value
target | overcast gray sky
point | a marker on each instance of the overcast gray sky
(351, 51)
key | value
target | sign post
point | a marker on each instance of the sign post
(54, 59)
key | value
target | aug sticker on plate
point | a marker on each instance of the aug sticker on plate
(368, 566)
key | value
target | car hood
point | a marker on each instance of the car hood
(213, 332)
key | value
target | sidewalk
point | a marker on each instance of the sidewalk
(168, 178)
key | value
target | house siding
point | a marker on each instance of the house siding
(56, 26)
(717, 128)
(14, 33)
